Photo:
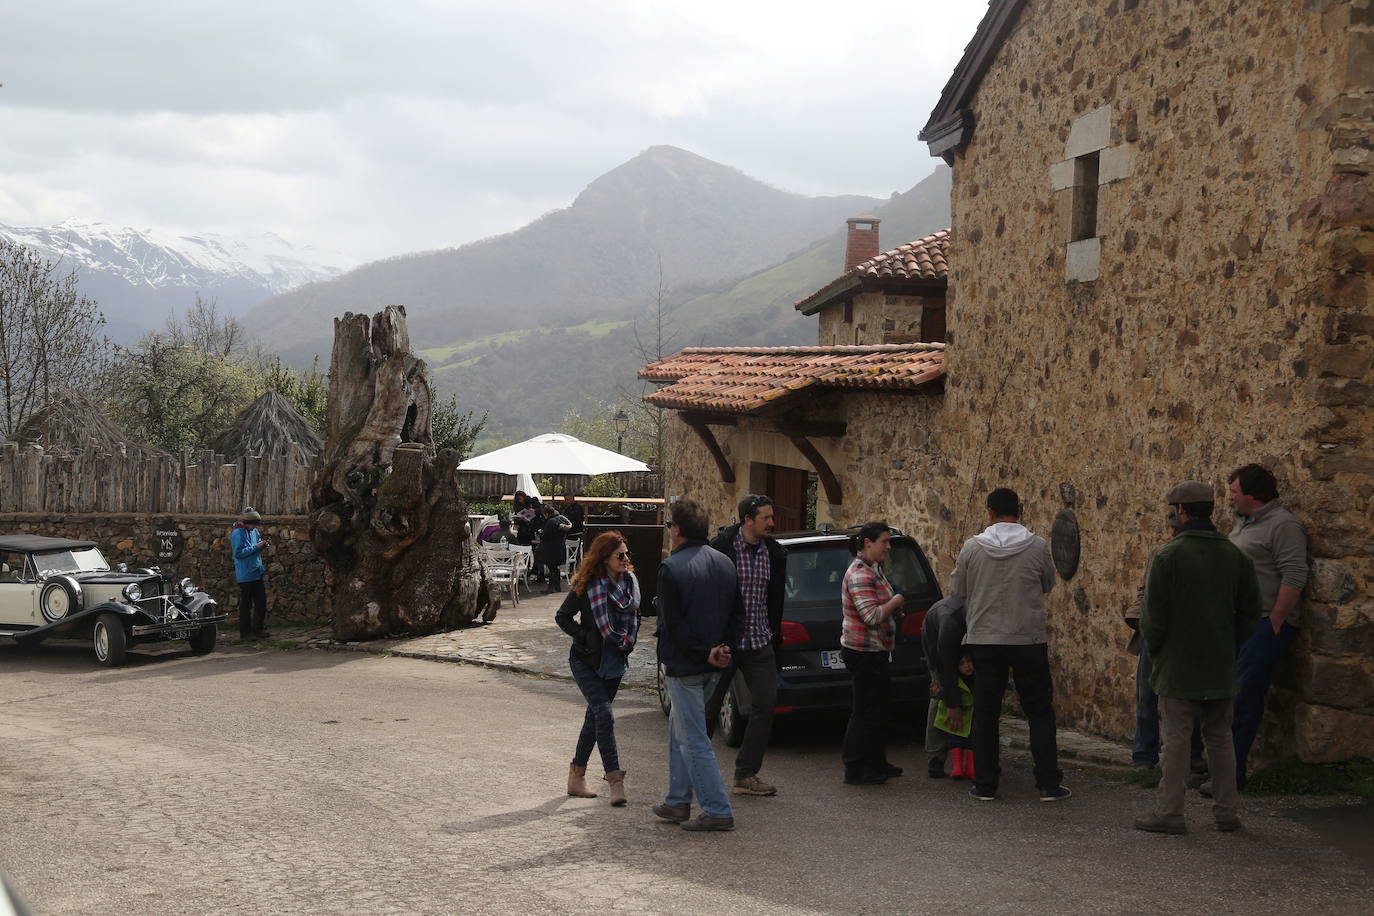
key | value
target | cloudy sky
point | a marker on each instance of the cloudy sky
(379, 128)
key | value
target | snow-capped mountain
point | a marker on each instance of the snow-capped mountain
(140, 276)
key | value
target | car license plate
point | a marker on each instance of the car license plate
(831, 660)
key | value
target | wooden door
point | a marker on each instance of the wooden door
(787, 488)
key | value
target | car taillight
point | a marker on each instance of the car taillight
(794, 633)
(913, 622)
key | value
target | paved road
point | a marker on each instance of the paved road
(260, 781)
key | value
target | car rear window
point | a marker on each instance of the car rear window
(815, 573)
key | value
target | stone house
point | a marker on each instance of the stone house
(1164, 228)
(1163, 232)
(835, 433)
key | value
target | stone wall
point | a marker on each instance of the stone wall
(884, 463)
(874, 318)
(1229, 321)
(295, 575)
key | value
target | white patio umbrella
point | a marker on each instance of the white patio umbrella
(553, 453)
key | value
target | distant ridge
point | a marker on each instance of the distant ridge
(599, 257)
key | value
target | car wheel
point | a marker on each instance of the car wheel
(59, 598)
(732, 721)
(203, 640)
(664, 701)
(110, 640)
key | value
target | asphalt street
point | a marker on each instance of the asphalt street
(265, 781)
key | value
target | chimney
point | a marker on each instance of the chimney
(863, 240)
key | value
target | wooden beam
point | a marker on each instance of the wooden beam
(823, 429)
(705, 417)
(708, 438)
(833, 494)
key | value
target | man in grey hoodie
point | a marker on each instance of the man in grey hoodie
(1003, 575)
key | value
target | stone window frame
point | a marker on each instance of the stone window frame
(1090, 163)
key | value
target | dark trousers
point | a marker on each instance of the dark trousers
(1030, 666)
(598, 724)
(759, 668)
(865, 745)
(252, 607)
(1259, 656)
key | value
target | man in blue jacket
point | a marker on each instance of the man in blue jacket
(247, 544)
(699, 618)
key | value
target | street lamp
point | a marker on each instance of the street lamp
(622, 423)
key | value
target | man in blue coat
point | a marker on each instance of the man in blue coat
(699, 617)
(247, 544)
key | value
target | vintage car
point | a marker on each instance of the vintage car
(54, 587)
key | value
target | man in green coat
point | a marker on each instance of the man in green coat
(1201, 602)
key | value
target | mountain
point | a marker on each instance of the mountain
(528, 380)
(139, 277)
(665, 217)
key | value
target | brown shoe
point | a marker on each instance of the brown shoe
(752, 785)
(577, 783)
(1159, 823)
(617, 781)
(675, 813)
(707, 822)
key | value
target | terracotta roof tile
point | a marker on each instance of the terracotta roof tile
(924, 259)
(745, 379)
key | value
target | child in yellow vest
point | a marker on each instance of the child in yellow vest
(960, 744)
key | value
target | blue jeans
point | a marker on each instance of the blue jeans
(692, 768)
(598, 725)
(1259, 656)
(1145, 744)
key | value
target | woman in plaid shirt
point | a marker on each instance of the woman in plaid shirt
(871, 608)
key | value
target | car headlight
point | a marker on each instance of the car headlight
(132, 592)
(186, 588)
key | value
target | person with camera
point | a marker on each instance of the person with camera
(247, 544)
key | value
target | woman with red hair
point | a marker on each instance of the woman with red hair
(601, 614)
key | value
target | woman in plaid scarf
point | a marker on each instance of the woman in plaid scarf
(601, 614)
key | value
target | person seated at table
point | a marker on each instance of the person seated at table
(498, 532)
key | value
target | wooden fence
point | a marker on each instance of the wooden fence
(204, 483)
(194, 483)
(482, 485)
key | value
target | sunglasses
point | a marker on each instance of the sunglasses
(623, 556)
(670, 524)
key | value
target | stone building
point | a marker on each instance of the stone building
(1158, 268)
(1162, 216)
(836, 433)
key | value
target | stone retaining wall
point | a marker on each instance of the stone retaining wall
(295, 575)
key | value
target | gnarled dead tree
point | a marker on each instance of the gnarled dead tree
(385, 511)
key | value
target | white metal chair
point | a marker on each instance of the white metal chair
(524, 557)
(574, 548)
(503, 568)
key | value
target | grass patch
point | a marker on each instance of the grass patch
(1293, 777)
(286, 645)
(467, 352)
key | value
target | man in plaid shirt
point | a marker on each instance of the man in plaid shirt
(761, 564)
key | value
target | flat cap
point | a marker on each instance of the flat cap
(1190, 491)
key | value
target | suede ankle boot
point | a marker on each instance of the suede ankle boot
(577, 783)
(616, 779)
(957, 756)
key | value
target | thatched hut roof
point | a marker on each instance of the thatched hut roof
(71, 422)
(269, 426)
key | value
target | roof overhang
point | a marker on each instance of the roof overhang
(847, 287)
(951, 123)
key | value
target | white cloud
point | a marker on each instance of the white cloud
(377, 129)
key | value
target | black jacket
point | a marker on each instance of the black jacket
(552, 548)
(777, 578)
(574, 617)
(942, 638)
(699, 608)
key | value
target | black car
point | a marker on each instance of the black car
(811, 675)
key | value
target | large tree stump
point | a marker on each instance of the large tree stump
(385, 511)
